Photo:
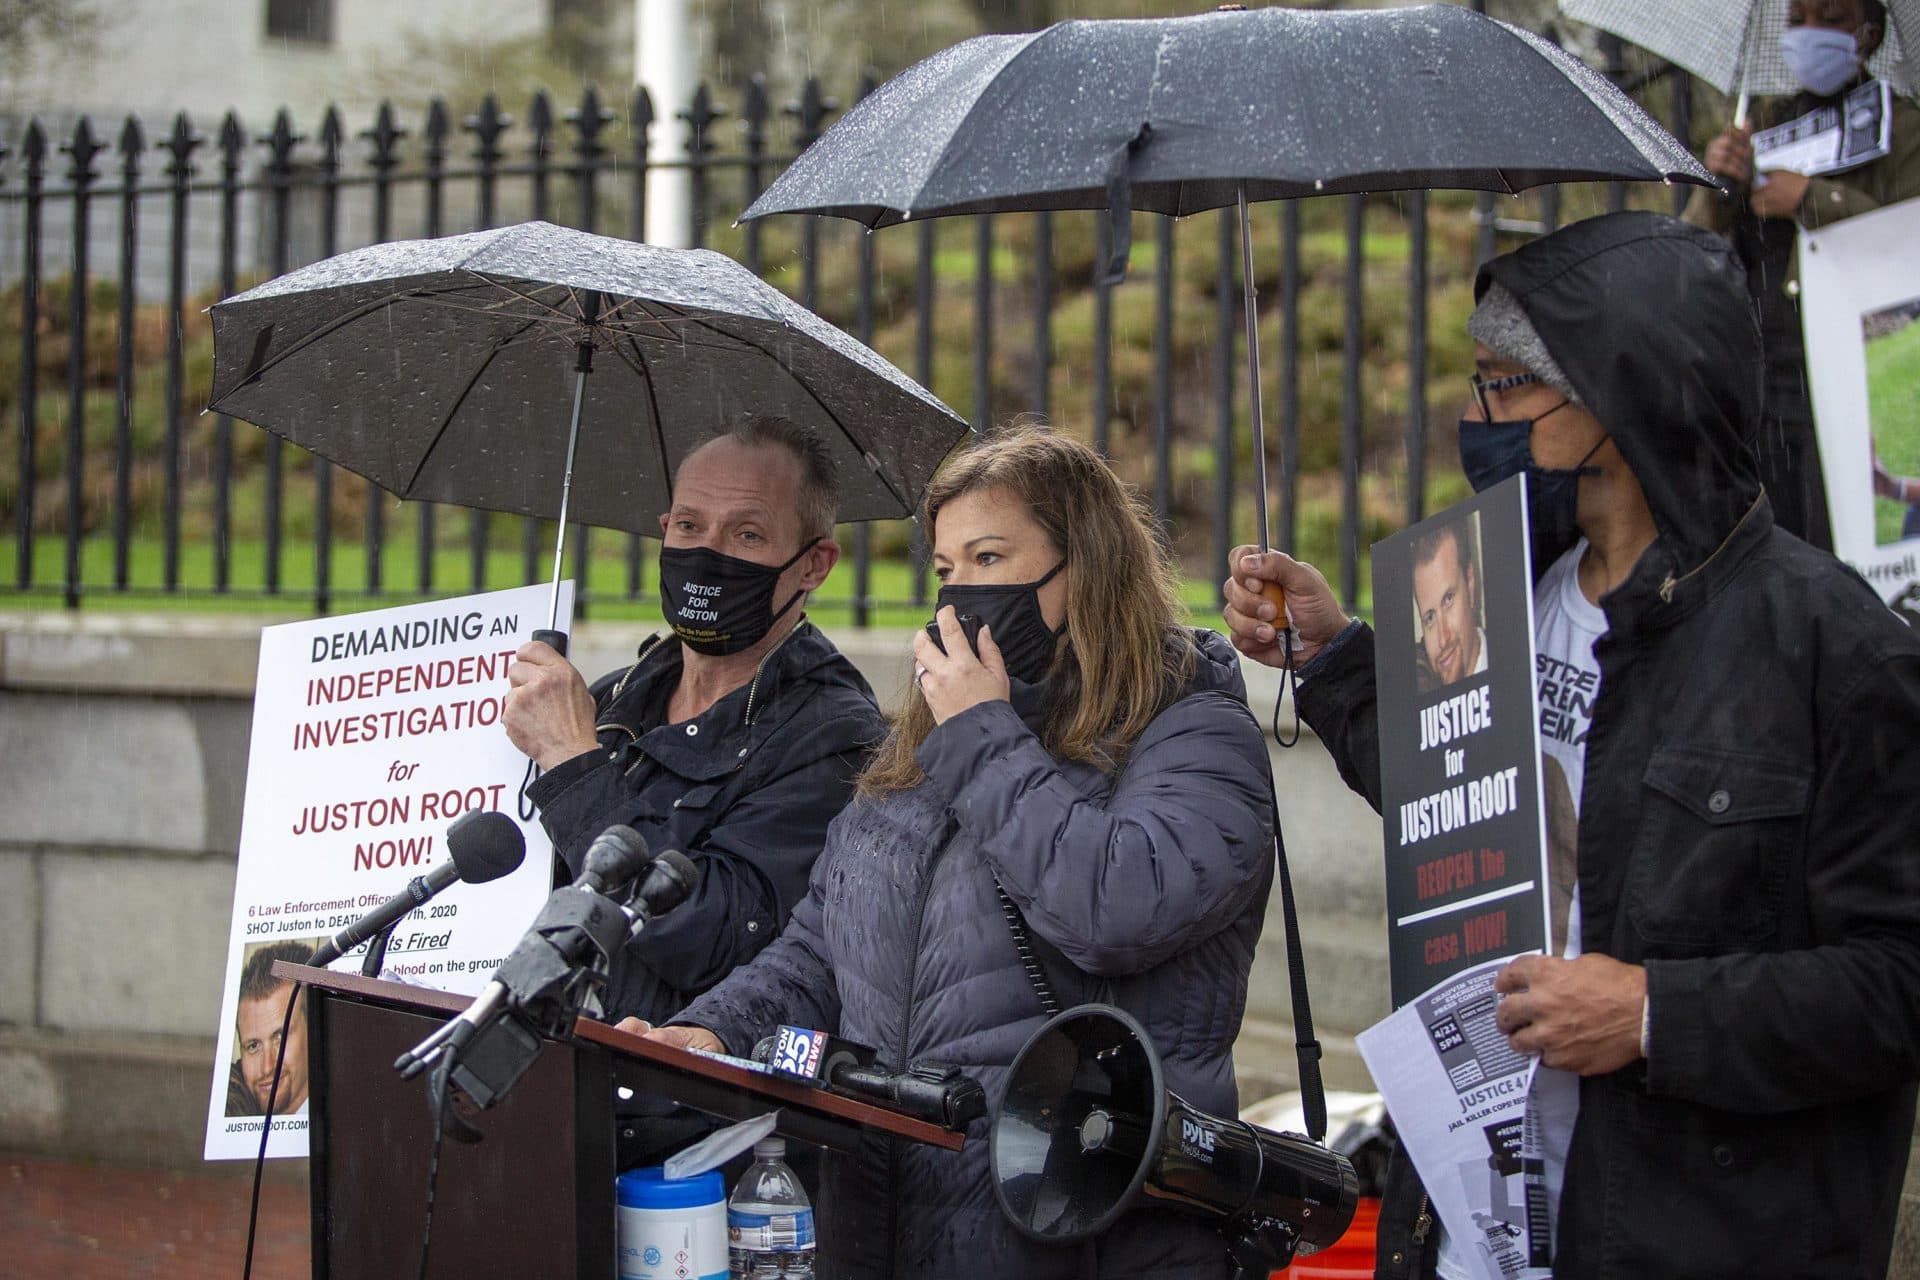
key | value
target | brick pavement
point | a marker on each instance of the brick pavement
(68, 1220)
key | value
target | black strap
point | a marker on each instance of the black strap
(1289, 679)
(1313, 1094)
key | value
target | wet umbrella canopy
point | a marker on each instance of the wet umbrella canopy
(444, 370)
(1179, 112)
(1178, 115)
(1734, 45)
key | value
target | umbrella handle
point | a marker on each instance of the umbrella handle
(1272, 592)
(556, 640)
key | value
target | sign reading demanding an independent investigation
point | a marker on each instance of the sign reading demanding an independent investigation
(371, 734)
(1459, 744)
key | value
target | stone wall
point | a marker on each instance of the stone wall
(123, 747)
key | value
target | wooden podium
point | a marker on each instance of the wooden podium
(535, 1197)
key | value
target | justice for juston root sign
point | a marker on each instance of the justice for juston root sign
(1459, 751)
(371, 735)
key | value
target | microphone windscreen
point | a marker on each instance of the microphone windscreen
(615, 857)
(485, 845)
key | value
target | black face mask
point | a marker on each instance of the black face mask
(1011, 611)
(720, 604)
(1494, 451)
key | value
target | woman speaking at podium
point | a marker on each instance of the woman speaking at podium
(1090, 778)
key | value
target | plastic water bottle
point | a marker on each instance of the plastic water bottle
(769, 1220)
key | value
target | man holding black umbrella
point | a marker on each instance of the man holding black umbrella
(736, 740)
(1732, 1022)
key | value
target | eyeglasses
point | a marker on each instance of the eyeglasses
(1482, 386)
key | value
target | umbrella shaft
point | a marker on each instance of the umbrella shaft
(1253, 372)
(566, 494)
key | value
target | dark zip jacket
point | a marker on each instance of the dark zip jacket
(746, 789)
(1749, 816)
(1146, 889)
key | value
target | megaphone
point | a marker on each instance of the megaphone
(1087, 1127)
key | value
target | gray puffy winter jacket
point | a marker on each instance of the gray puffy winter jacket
(1146, 889)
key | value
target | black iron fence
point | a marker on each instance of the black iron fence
(114, 484)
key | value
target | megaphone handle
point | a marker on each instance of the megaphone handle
(556, 640)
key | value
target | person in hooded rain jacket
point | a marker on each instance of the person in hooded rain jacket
(1097, 762)
(1737, 1020)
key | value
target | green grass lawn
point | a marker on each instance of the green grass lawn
(1893, 394)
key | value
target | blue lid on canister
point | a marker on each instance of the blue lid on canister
(650, 1188)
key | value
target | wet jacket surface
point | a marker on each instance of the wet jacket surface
(1748, 822)
(1146, 889)
(746, 789)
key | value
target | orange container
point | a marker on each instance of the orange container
(1349, 1258)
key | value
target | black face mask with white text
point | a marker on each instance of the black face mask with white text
(719, 604)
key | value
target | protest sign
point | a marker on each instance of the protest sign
(1855, 131)
(371, 734)
(1860, 304)
(1468, 1136)
(1459, 747)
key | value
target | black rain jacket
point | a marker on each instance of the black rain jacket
(746, 790)
(1749, 822)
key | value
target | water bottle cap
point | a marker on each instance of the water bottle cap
(770, 1149)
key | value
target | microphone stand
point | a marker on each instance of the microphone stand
(539, 991)
(377, 951)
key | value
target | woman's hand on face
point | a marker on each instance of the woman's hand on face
(678, 1037)
(955, 680)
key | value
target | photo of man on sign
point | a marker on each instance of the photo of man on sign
(1449, 620)
(256, 1034)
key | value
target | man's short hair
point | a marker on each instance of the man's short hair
(256, 976)
(1875, 12)
(1426, 543)
(819, 496)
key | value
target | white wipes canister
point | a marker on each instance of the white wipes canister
(672, 1229)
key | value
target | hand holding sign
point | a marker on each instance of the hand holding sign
(1781, 197)
(1581, 1015)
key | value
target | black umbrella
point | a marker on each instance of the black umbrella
(1179, 115)
(438, 369)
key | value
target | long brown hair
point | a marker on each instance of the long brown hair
(1121, 663)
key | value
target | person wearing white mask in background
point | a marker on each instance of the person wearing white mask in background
(1826, 45)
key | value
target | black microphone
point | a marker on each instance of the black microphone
(937, 1092)
(670, 881)
(544, 978)
(481, 846)
(616, 856)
